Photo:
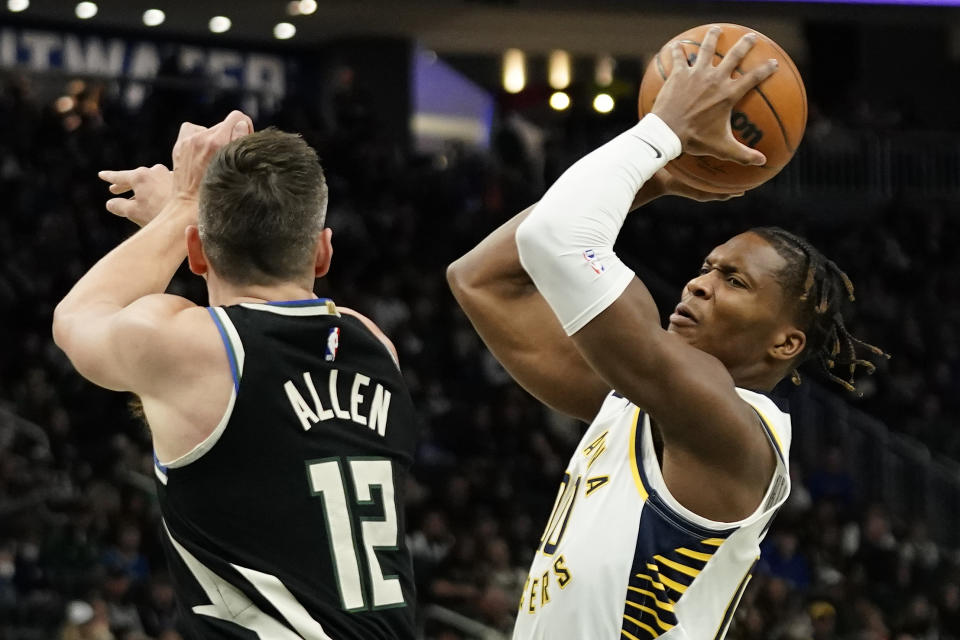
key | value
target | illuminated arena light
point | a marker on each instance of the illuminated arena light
(558, 70)
(603, 103)
(284, 31)
(153, 17)
(559, 101)
(86, 10)
(514, 71)
(220, 24)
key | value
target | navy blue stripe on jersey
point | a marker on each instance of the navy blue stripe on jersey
(231, 356)
(771, 434)
(655, 501)
(637, 445)
(309, 302)
(667, 559)
(734, 602)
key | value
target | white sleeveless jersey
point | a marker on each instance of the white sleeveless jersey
(621, 558)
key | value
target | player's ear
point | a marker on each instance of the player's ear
(323, 253)
(195, 256)
(788, 344)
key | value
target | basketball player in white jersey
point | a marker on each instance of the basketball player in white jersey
(657, 524)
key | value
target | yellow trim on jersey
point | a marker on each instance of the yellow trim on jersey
(666, 606)
(676, 586)
(773, 432)
(646, 628)
(696, 555)
(656, 585)
(682, 568)
(663, 582)
(713, 542)
(644, 495)
(666, 626)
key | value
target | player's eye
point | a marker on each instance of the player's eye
(704, 270)
(736, 282)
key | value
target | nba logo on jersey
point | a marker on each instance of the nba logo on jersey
(591, 257)
(333, 343)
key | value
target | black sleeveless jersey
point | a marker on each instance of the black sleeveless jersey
(287, 521)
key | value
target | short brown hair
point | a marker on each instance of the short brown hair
(262, 203)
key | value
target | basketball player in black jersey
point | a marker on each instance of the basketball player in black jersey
(282, 428)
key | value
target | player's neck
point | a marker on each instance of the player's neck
(224, 293)
(755, 378)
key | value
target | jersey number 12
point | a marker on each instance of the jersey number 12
(327, 481)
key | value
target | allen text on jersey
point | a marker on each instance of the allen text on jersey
(372, 414)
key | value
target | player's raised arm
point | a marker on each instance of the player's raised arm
(519, 328)
(116, 321)
(517, 324)
(566, 246)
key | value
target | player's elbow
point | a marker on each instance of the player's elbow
(65, 330)
(63, 323)
(458, 276)
(533, 246)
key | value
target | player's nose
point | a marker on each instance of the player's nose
(701, 286)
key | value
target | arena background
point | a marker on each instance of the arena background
(425, 153)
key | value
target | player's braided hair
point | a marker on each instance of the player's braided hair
(819, 286)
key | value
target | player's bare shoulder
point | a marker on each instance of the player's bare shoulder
(173, 340)
(374, 329)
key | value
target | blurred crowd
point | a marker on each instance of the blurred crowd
(79, 547)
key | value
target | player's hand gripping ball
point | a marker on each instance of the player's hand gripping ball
(770, 117)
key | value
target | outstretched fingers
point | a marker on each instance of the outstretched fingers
(737, 53)
(754, 77)
(678, 58)
(123, 207)
(708, 48)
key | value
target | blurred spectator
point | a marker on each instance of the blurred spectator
(118, 596)
(781, 557)
(823, 618)
(159, 610)
(84, 622)
(124, 556)
(832, 481)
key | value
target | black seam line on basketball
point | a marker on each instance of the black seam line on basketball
(776, 116)
(674, 166)
(693, 176)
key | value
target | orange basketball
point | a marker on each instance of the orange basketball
(770, 118)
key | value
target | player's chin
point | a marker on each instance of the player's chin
(684, 331)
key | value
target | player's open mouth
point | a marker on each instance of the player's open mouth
(682, 316)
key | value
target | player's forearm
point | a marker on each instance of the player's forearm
(143, 264)
(566, 244)
(493, 265)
